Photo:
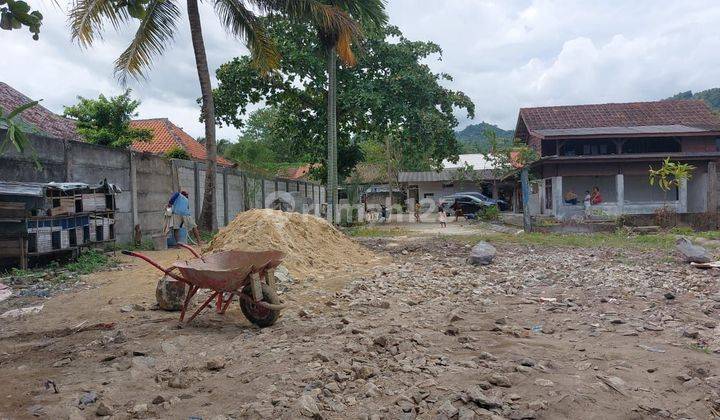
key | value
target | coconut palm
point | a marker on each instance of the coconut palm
(338, 42)
(158, 22)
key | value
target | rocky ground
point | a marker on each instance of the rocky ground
(542, 332)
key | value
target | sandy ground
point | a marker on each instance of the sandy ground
(543, 332)
(429, 226)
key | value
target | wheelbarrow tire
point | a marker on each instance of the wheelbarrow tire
(259, 315)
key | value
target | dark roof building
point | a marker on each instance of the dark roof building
(611, 147)
(38, 117)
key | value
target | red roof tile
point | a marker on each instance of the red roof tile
(44, 120)
(300, 172)
(166, 136)
(693, 113)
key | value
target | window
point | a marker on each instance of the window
(448, 185)
(428, 195)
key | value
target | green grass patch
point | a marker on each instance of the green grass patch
(375, 232)
(207, 236)
(595, 240)
(710, 234)
(700, 348)
(91, 261)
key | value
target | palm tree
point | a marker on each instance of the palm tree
(337, 42)
(158, 22)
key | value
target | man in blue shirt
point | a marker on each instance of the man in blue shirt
(182, 218)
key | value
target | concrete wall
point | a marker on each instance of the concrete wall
(147, 181)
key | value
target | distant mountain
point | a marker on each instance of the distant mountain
(710, 96)
(472, 137)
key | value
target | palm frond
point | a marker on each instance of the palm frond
(331, 20)
(243, 23)
(369, 13)
(151, 39)
(343, 48)
(86, 19)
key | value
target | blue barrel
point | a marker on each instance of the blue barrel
(182, 236)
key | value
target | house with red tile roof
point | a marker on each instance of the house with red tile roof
(168, 136)
(611, 147)
(41, 119)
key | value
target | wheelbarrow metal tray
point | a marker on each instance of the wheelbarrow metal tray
(227, 271)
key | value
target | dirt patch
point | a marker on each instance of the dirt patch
(543, 332)
(311, 245)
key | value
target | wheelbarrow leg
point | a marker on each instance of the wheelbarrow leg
(219, 303)
(191, 293)
(207, 302)
(227, 303)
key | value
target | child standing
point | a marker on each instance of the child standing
(442, 218)
(417, 212)
(586, 203)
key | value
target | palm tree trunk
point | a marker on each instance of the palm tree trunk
(332, 175)
(208, 216)
(388, 156)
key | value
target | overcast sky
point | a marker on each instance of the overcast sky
(504, 54)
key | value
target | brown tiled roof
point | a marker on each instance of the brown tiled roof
(166, 136)
(45, 121)
(692, 113)
(300, 172)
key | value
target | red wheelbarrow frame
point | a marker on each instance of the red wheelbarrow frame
(222, 303)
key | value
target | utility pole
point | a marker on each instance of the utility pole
(525, 185)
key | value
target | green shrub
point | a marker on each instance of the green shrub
(489, 213)
(91, 261)
(177, 152)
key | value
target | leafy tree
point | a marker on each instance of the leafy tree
(106, 121)
(14, 14)
(669, 175)
(250, 152)
(222, 145)
(388, 95)
(158, 24)
(16, 130)
(335, 42)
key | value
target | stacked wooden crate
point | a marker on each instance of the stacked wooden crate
(44, 239)
(45, 218)
(12, 210)
(93, 202)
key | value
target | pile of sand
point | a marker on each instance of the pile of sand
(312, 246)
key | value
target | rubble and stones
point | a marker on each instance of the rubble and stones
(542, 332)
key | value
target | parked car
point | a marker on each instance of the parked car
(468, 204)
(501, 204)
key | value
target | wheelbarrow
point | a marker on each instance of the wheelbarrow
(248, 275)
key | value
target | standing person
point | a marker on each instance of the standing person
(179, 204)
(457, 208)
(383, 213)
(595, 197)
(587, 200)
(417, 212)
(442, 217)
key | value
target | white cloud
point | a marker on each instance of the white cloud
(503, 53)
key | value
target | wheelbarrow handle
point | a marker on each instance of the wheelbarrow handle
(189, 248)
(147, 260)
